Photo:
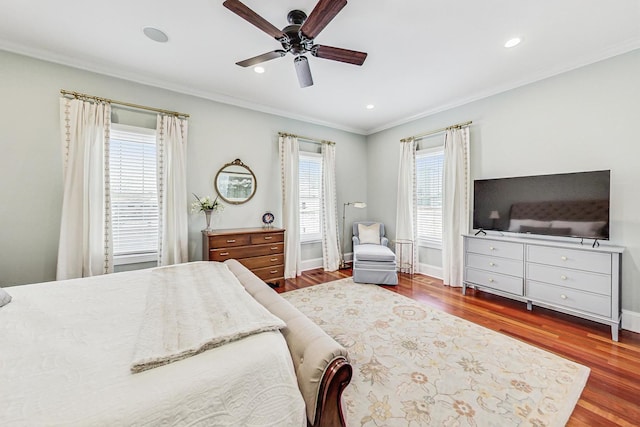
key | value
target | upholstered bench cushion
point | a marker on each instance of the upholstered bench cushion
(376, 253)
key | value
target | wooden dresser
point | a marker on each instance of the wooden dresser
(261, 250)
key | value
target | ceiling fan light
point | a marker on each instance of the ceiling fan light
(258, 69)
(302, 70)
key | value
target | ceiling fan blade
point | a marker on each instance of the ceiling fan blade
(320, 16)
(339, 54)
(244, 12)
(303, 71)
(262, 58)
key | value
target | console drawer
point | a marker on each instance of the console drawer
(501, 282)
(570, 258)
(229, 240)
(496, 248)
(260, 238)
(495, 264)
(569, 298)
(568, 278)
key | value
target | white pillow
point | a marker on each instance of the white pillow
(581, 228)
(515, 224)
(369, 234)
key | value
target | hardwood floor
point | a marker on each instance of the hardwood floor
(612, 394)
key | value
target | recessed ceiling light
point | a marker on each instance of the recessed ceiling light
(155, 34)
(513, 42)
(370, 106)
(259, 70)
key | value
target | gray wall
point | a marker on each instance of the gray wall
(31, 168)
(577, 121)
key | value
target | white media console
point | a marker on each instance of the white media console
(569, 277)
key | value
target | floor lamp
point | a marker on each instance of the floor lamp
(358, 205)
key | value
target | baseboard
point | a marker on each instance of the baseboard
(312, 264)
(631, 321)
(430, 270)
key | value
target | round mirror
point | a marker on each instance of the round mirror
(235, 183)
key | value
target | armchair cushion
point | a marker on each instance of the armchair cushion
(369, 233)
(376, 253)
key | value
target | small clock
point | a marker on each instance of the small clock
(267, 219)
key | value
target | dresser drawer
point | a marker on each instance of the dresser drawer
(245, 252)
(269, 273)
(500, 282)
(496, 248)
(260, 238)
(495, 264)
(228, 240)
(575, 279)
(262, 261)
(570, 258)
(569, 298)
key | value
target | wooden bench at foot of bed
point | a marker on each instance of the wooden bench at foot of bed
(321, 364)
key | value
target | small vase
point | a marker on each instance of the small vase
(207, 215)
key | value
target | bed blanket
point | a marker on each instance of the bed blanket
(194, 307)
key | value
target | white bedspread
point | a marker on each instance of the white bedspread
(186, 315)
(65, 355)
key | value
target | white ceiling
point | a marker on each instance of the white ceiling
(424, 56)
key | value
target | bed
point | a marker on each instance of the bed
(67, 349)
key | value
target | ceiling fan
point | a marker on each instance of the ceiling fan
(297, 38)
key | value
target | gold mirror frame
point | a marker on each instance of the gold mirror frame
(235, 183)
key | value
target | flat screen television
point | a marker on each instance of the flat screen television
(568, 204)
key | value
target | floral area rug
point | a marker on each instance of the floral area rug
(417, 366)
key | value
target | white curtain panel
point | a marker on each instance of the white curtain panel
(455, 204)
(289, 159)
(85, 247)
(330, 243)
(406, 207)
(173, 199)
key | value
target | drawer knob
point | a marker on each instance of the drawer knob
(563, 277)
(563, 296)
(564, 258)
(274, 259)
(491, 264)
(224, 253)
(275, 248)
(268, 237)
(491, 280)
(231, 241)
(273, 271)
(491, 248)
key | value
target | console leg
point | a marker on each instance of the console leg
(464, 289)
(529, 305)
(614, 332)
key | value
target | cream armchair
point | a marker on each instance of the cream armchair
(373, 261)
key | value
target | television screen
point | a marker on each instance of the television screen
(569, 204)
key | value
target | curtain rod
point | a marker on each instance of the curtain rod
(433, 132)
(306, 138)
(126, 104)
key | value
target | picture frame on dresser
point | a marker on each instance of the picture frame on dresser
(570, 277)
(261, 250)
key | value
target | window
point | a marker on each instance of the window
(429, 164)
(134, 197)
(310, 182)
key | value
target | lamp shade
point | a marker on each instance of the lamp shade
(494, 215)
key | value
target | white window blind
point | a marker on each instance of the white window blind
(310, 181)
(134, 196)
(429, 164)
